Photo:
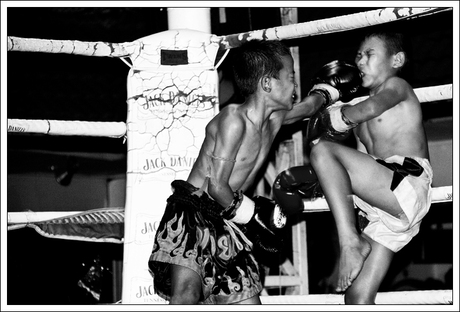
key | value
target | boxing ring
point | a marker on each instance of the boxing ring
(193, 112)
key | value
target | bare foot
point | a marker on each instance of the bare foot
(351, 262)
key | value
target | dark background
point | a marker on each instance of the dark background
(72, 87)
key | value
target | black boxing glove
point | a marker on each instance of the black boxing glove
(268, 213)
(337, 80)
(294, 184)
(264, 230)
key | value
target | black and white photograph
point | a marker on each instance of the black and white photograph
(297, 155)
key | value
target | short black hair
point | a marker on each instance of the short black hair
(394, 42)
(255, 59)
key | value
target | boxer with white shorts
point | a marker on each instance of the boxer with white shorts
(414, 196)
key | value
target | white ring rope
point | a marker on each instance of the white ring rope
(292, 31)
(118, 129)
(68, 127)
(328, 25)
(433, 94)
(74, 47)
(424, 95)
(394, 297)
(440, 194)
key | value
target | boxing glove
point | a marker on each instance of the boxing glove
(329, 123)
(265, 228)
(260, 219)
(294, 184)
(268, 213)
(337, 80)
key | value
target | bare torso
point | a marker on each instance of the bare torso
(251, 155)
(397, 131)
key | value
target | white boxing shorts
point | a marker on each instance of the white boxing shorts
(412, 188)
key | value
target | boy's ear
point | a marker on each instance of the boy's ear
(266, 84)
(399, 59)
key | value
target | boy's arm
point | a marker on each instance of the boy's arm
(337, 80)
(229, 136)
(306, 108)
(394, 91)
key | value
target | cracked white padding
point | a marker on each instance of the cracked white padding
(168, 109)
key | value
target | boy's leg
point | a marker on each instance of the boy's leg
(185, 285)
(365, 287)
(342, 172)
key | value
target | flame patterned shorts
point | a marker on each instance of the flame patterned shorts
(190, 236)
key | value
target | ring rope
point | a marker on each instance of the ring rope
(424, 95)
(74, 47)
(68, 127)
(328, 25)
(118, 129)
(292, 31)
(440, 194)
(394, 297)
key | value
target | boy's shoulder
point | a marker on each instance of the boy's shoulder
(231, 113)
(230, 110)
(396, 82)
(397, 79)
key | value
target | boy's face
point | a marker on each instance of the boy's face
(374, 63)
(284, 88)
